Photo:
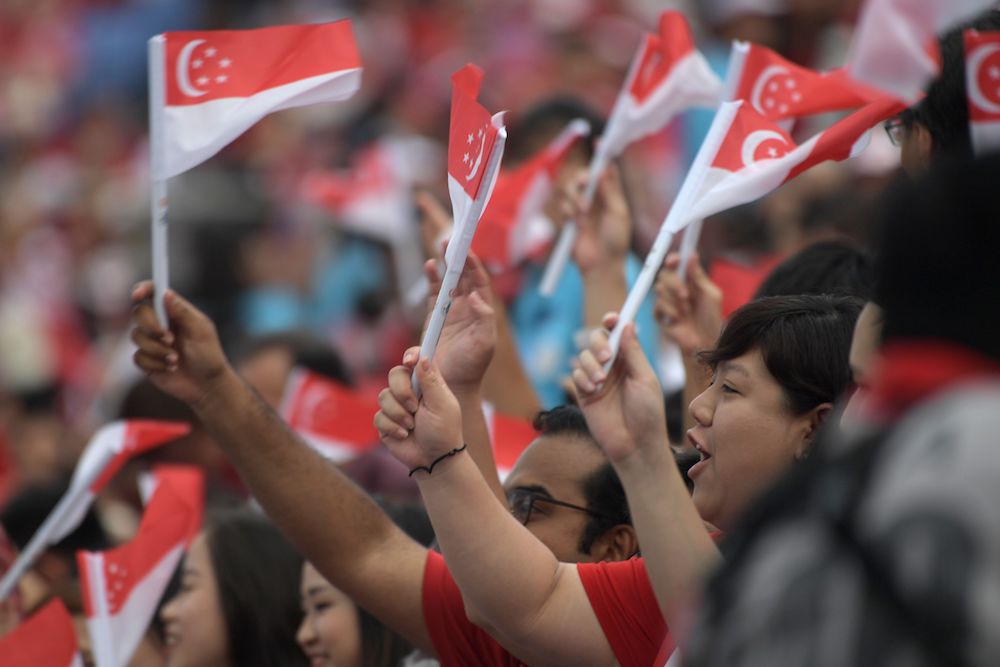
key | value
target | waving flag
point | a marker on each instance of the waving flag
(895, 44)
(187, 481)
(510, 437)
(668, 75)
(778, 89)
(122, 586)
(336, 421)
(105, 454)
(475, 148)
(982, 85)
(47, 639)
(513, 227)
(220, 82)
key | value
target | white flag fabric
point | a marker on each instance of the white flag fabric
(122, 587)
(895, 49)
(218, 83)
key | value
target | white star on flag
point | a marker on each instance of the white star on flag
(196, 64)
(221, 78)
(470, 138)
(225, 62)
(209, 52)
(465, 158)
(202, 80)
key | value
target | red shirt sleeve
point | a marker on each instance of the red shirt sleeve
(622, 597)
(456, 640)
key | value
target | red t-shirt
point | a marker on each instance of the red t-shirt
(620, 594)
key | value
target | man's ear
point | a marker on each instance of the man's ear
(618, 543)
(813, 420)
(918, 148)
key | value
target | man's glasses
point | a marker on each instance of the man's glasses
(522, 503)
(898, 127)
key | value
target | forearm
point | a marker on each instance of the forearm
(477, 436)
(506, 385)
(678, 550)
(330, 520)
(604, 290)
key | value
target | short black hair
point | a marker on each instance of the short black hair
(827, 267)
(257, 573)
(540, 124)
(944, 111)
(603, 489)
(307, 349)
(804, 341)
(937, 266)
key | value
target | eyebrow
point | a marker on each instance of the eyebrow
(315, 590)
(532, 488)
(734, 367)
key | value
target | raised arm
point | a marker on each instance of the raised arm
(511, 583)
(625, 413)
(332, 522)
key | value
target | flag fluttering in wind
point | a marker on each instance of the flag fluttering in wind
(476, 143)
(47, 639)
(513, 227)
(207, 87)
(105, 454)
(982, 87)
(333, 419)
(122, 587)
(668, 76)
(895, 43)
(189, 483)
(510, 437)
(778, 89)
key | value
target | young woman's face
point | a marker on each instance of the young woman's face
(330, 633)
(195, 629)
(746, 435)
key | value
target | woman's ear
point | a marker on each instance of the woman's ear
(814, 419)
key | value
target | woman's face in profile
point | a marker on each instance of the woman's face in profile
(330, 634)
(194, 627)
(747, 437)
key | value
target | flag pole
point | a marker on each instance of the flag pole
(674, 222)
(458, 250)
(158, 177)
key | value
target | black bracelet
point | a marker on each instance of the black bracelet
(438, 460)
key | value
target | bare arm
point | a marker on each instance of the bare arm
(511, 583)
(329, 519)
(506, 385)
(625, 413)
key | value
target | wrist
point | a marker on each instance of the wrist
(438, 464)
(216, 390)
(608, 266)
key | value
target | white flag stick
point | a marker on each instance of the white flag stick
(689, 244)
(458, 248)
(675, 221)
(158, 177)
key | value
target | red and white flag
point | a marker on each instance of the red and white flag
(47, 639)
(749, 156)
(334, 420)
(218, 83)
(668, 76)
(513, 227)
(189, 483)
(510, 437)
(105, 454)
(895, 43)
(122, 587)
(982, 85)
(778, 88)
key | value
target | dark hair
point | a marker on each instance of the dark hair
(602, 489)
(257, 573)
(828, 267)
(944, 111)
(804, 342)
(307, 349)
(29, 507)
(540, 124)
(937, 256)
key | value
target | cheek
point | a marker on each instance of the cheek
(203, 632)
(339, 631)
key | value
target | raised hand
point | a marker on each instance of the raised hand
(605, 230)
(469, 336)
(418, 432)
(689, 311)
(186, 360)
(624, 409)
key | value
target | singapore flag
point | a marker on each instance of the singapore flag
(218, 83)
(510, 437)
(47, 639)
(122, 586)
(108, 450)
(982, 85)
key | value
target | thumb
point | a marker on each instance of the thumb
(432, 385)
(631, 353)
(696, 275)
(181, 313)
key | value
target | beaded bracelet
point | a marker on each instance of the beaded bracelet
(438, 460)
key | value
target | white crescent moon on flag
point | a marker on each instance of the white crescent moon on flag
(975, 92)
(754, 140)
(183, 82)
(479, 158)
(758, 88)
